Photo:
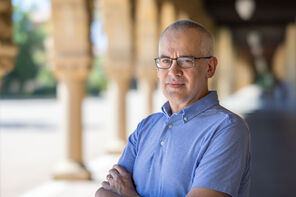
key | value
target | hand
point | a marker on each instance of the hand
(120, 182)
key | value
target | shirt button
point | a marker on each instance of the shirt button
(170, 126)
(162, 143)
(185, 118)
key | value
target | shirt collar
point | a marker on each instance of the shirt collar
(196, 108)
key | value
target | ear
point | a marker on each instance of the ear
(212, 64)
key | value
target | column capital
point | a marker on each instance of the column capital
(5, 22)
(147, 72)
(118, 70)
(72, 67)
(7, 54)
(72, 54)
(7, 49)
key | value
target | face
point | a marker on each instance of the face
(182, 87)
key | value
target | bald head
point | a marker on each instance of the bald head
(206, 45)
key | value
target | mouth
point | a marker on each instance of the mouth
(175, 85)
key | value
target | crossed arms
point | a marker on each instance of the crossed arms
(120, 184)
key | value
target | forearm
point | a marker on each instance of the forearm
(106, 193)
(101, 192)
(119, 183)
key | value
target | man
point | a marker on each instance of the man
(195, 147)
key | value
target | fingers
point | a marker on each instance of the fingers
(109, 177)
(114, 173)
(121, 170)
(119, 181)
(106, 185)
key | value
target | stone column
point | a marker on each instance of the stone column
(118, 64)
(243, 75)
(278, 62)
(71, 65)
(147, 45)
(290, 50)
(7, 49)
(196, 11)
(182, 15)
(225, 69)
(168, 14)
(279, 70)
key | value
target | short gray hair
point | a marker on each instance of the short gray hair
(207, 41)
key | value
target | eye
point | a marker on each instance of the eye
(165, 60)
(185, 60)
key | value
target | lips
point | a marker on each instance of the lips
(175, 84)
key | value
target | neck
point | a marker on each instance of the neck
(176, 107)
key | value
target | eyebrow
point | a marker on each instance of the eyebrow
(165, 56)
(162, 56)
(186, 56)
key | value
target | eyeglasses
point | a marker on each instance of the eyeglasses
(183, 62)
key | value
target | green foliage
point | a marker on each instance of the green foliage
(31, 76)
(29, 38)
(266, 81)
(30, 60)
(45, 78)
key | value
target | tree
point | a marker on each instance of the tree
(29, 37)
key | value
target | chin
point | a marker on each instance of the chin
(176, 98)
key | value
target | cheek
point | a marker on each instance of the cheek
(158, 74)
(161, 75)
(193, 79)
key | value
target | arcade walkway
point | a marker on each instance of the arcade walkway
(29, 145)
(274, 152)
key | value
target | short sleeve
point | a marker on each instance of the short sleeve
(225, 160)
(129, 154)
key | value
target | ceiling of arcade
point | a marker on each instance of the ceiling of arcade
(268, 20)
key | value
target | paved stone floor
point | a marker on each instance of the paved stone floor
(30, 144)
(274, 153)
(273, 130)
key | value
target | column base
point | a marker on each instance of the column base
(69, 170)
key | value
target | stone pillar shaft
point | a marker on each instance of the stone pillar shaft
(72, 63)
(291, 60)
(278, 62)
(243, 75)
(117, 20)
(147, 87)
(168, 14)
(120, 88)
(225, 69)
(71, 94)
(147, 39)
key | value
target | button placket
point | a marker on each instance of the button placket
(162, 140)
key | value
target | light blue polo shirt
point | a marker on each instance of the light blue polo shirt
(203, 145)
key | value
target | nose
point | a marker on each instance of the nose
(175, 69)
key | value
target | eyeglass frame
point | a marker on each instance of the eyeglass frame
(172, 59)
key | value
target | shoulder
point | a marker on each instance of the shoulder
(224, 117)
(152, 119)
(147, 124)
(225, 122)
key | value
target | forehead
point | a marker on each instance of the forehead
(180, 42)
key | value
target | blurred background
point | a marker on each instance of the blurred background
(78, 75)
